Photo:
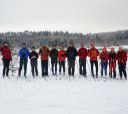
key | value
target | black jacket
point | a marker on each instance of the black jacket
(54, 54)
(71, 53)
(33, 55)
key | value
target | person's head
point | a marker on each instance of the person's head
(71, 44)
(104, 49)
(120, 49)
(112, 49)
(61, 47)
(33, 48)
(5, 44)
(24, 45)
(54, 47)
(92, 45)
(82, 45)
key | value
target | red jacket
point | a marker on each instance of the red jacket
(93, 54)
(104, 56)
(121, 57)
(6, 52)
(44, 53)
(82, 53)
(62, 55)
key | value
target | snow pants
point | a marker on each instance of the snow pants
(23, 62)
(82, 67)
(44, 67)
(6, 64)
(71, 67)
(96, 66)
(104, 66)
(34, 67)
(122, 70)
(62, 65)
(112, 69)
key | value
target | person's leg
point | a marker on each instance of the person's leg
(80, 66)
(96, 65)
(55, 66)
(73, 67)
(7, 71)
(35, 66)
(63, 65)
(4, 67)
(69, 67)
(84, 67)
(102, 67)
(110, 69)
(42, 67)
(52, 64)
(25, 67)
(91, 62)
(120, 70)
(46, 67)
(124, 70)
(20, 67)
(32, 67)
(114, 70)
(60, 64)
(105, 68)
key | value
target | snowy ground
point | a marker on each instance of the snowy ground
(79, 96)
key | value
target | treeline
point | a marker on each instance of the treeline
(62, 38)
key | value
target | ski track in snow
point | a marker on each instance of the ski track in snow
(78, 96)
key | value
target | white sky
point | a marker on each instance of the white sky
(72, 15)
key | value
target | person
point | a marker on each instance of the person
(104, 57)
(122, 59)
(93, 54)
(82, 53)
(112, 63)
(33, 56)
(44, 53)
(7, 57)
(61, 58)
(23, 54)
(54, 58)
(71, 54)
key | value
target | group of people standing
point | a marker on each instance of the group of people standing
(59, 57)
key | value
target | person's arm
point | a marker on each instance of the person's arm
(10, 54)
(86, 52)
(98, 53)
(40, 51)
(75, 53)
(27, 53)
(125, 56)
(1, 47)
(79, 53)
(67, 53)
(30, 55)
(37, 56)
(20, 53)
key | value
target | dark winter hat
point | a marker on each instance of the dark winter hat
(5, 42)
(71, 43)
(33, 47)
(24, 44)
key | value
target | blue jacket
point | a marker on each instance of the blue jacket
(24, 53)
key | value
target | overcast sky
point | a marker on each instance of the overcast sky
(72, 15)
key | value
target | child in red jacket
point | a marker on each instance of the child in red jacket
(7, 57)
(82, 53)
(93, 54)
(122, 59)
(104, 57)
(61, 58)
